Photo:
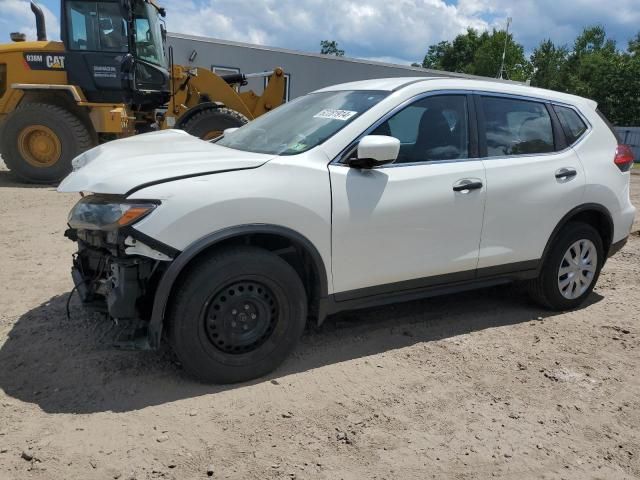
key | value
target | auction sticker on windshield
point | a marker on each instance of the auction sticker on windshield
(332, 114)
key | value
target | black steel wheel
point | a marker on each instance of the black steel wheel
(236, 315)
(241, 317)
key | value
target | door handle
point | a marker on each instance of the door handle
(565, 174)
(465, 186)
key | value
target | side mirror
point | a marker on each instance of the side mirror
(228, 131)
(374, 151)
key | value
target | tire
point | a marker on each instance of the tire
(65, 137)
(557, 292)
(210, 123)
(220, 296)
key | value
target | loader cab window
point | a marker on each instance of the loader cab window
(96, 27)
(148, 35)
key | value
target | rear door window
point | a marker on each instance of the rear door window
(572, 125)
(516, 127)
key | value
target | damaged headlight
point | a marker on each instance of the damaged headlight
(103, 213)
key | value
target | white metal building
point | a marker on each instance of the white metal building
(305, 71)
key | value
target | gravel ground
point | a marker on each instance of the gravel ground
(482, 384)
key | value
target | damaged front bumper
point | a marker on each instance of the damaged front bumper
(118, 273)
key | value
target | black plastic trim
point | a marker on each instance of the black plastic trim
(559, 135)
(572, 213)
(431, 286)
(163, 292)
(150, 241)
(509, 271)
(472, 130)
(481, 126)
(404, 286)
(521, 270)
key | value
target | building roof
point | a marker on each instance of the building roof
(331, 58)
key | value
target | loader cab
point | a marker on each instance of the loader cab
(115, 50)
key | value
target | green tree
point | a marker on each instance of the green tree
(488, 57)
(596, 69)
(479, 54)
(435, 54)
(330, 47)
(593, 67)
(548, 66)
(455, 56)
(634, 45)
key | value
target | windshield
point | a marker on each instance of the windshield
(148, 38)
(303, 123)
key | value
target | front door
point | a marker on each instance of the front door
(413, 223)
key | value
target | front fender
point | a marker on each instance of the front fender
(168, 280)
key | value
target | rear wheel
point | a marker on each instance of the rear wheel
(237, 315)
(571, 269)
(211, 123)
(38, 142)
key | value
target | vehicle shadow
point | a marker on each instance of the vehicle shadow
(69, 366)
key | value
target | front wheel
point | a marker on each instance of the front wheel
(237, 315)
(571, 269)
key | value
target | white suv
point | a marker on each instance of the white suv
(355, 195)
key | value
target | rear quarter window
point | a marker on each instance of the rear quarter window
(572, 125)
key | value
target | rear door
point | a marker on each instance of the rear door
(533, 180)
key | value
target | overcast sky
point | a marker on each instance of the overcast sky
(388, 30)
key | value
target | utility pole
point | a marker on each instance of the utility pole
(504, 50)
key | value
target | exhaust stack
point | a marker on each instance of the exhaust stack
(40, 25)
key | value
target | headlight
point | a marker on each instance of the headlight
(101, 213)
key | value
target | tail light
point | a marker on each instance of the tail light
(624, 158)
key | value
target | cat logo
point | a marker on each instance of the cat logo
(44, 61)
(55, 61)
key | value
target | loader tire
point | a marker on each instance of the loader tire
(38, 142)
(210, 123)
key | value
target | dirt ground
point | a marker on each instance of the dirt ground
(478, 385)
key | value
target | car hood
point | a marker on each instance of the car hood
(128, 164)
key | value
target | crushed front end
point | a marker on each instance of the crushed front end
(116, 269)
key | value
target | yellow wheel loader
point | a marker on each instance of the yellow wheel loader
(111, 76)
